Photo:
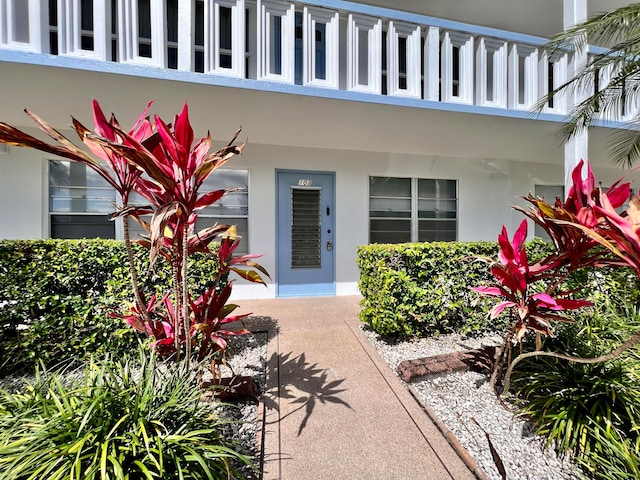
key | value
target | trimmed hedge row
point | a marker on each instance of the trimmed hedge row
(421, 289)
(56, 296)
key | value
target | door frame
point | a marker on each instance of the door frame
(279, 233)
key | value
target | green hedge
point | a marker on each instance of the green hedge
(55, 297)
(421, 289)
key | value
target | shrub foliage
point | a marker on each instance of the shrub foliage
(56, 297)
(422, 288)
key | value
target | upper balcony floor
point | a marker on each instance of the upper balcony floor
(324, 48)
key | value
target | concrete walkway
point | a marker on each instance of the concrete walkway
(333, 409)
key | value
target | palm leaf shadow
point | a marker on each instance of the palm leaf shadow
(307, 378)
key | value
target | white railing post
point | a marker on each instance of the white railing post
(457, 69)
(276, 46)
(523, 79)
(70, 29)
(364, 56)
(186, 29)
(553, 73)
(24, 25)
(412, 34)
(491, 73)
(313, 17)
(212, 44)
(432, 65)
(129, 37)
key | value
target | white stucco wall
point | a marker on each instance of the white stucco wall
(23, 195)
(487, 189)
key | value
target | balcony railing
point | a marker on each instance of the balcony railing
(350, 47)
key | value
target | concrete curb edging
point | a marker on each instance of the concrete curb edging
(462, 452)
(451, 439)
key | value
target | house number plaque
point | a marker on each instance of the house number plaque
(305, 182)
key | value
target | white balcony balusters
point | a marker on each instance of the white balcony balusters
(276, 41)
(224, 44)
(84, 28)
(321, 50)
(142, 32)
(457, 68)
(491, 73)
(523, 89)
(24, 25)
(364, 55)
(403, 60)
(329, 48)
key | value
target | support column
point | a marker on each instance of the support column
(186, 27)
(576, 149)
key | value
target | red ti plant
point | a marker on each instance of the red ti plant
(534, 310)
(163, 164)
(585, 230)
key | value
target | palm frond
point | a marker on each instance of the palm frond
(608, 83)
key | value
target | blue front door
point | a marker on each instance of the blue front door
(305, 234)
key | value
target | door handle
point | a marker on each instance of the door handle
(329, 246)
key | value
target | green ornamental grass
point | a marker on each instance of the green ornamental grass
(116, 419)
(590, 412)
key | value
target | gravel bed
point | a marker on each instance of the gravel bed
(247, 355)
(460, 397)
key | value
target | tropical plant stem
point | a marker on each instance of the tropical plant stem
(185, 295)
(140, 303)
(602, 358)
(177, 307)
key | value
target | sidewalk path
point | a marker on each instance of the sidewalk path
(334, 410)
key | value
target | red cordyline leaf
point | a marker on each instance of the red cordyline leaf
(546, 300)
(197, 157)
(510, 278)
(568, 304)
(579, 194)
(234, 318)
(183, 130)
(498, 309)
(209, 199)
(491, 291)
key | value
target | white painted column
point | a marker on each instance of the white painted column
(575, 12)
(186, 28)
(432, 64)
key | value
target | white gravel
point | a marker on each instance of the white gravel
(247, 355)
(459, 397)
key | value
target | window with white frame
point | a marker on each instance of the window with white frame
(232, 209)
(80, 202)
(412, 210)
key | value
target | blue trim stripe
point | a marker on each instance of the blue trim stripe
(84, 64)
